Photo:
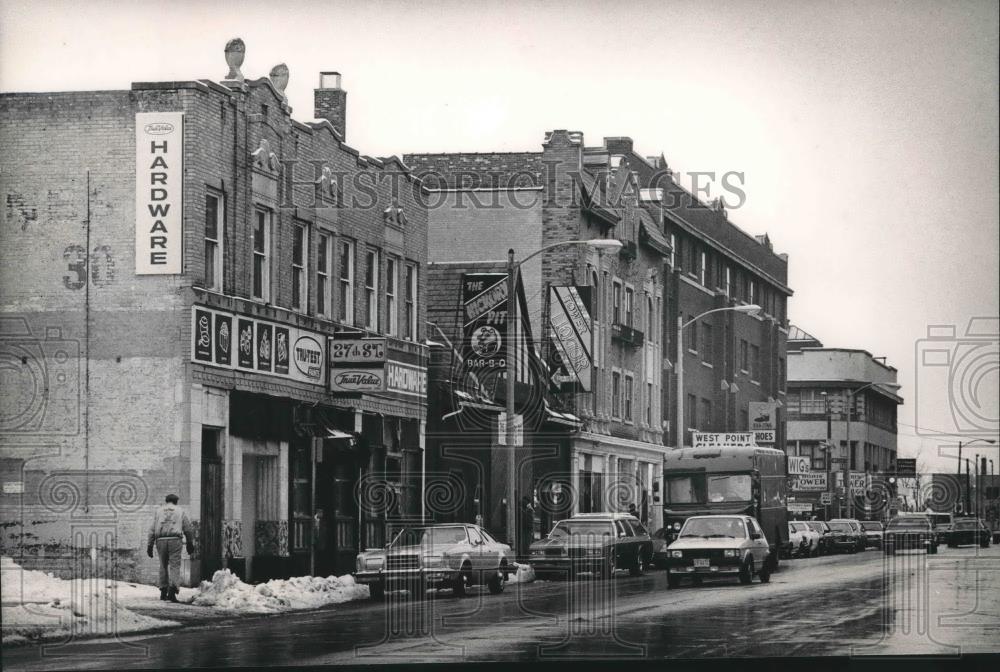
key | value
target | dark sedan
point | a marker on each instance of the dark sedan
(598, 543)
(968, 531)
(825, 535)
(912, 532)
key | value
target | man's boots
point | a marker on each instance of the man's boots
(163, 594)
(172, 594)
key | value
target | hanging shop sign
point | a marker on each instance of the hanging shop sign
(763, 415)
(571, 331)
(159, 181)
(233, 341)
(484, 319)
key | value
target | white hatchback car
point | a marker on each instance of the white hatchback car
(804, 539)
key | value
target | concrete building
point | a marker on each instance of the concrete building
(847, 398)
(679, 257)
(170, 276)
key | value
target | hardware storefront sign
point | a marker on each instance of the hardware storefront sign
(159, 181)
(813, 481)
(365, 365)
(244, 343)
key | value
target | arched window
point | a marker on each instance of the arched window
(650, 325)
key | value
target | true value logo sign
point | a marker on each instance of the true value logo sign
(159, 181)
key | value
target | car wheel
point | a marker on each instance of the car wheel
(497, 582)
(933, 549)
(461, 585)
(985, 543)
(746, 572)
(377, 591)
(673, 580)
(952, 544)
(641, 562)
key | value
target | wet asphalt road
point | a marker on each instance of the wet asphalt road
(858, 605)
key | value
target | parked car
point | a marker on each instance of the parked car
(873, 532)
(908, 532)
(599, 543)
(452, 556)
(847, 535)
(941, 524)
(805, 540)
(661, 539)
(719, 545)
(968, 531)
(825, 535)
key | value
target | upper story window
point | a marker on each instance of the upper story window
(703, 269)
(391, 309)
(744, 356)
(213, 240)
(627, 399)
(346, 282)
(262, 255)
(729, 282)
(754, 362)
(616, 394)
(629, 307)
(649, 404)
(616, 302)
(300, 251)
(706, 342)
(323, 274)
(650, 319)
(673, 251)
(692, 340)
(411, 303)
(371, 289)
(753, 293)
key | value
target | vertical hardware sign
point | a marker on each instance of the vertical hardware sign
(159, 178)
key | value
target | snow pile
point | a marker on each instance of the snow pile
(226, 591)
(525, 574)
(38, 605)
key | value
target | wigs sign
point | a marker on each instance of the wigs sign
(159, 178)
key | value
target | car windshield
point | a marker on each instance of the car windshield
(871, 526)
(909, 524)
(714, 527)
(702, 488)
(937, 519)
(567, 528)
(815, 527)
(841, 527)
(796, 527)
(430, 536)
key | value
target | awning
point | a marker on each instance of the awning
(562, 418)
(335, 434)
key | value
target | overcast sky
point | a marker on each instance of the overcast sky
(867, 131)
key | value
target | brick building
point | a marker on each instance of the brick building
(678, 257)
(171, 274)
(824, 385)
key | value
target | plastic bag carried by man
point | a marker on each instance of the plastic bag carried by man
(169, 528)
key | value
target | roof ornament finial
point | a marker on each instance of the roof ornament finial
(236, 51)
(279, 77)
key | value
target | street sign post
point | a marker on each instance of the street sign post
(826, 498)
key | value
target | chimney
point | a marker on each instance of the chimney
(618, 145)
(330, 102)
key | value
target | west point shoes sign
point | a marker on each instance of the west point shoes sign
(159, 180)
(232, 341)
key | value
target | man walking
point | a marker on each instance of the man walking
(170, 525)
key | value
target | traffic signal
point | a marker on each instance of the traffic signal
(892, 486)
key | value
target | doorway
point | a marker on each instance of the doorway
(210, 532)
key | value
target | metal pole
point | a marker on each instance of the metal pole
(680, 379)
(968, 498)
(511, 374)
(848, 454)
(829, 454)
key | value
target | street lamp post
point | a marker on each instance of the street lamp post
(681, 325)
(513, 267)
